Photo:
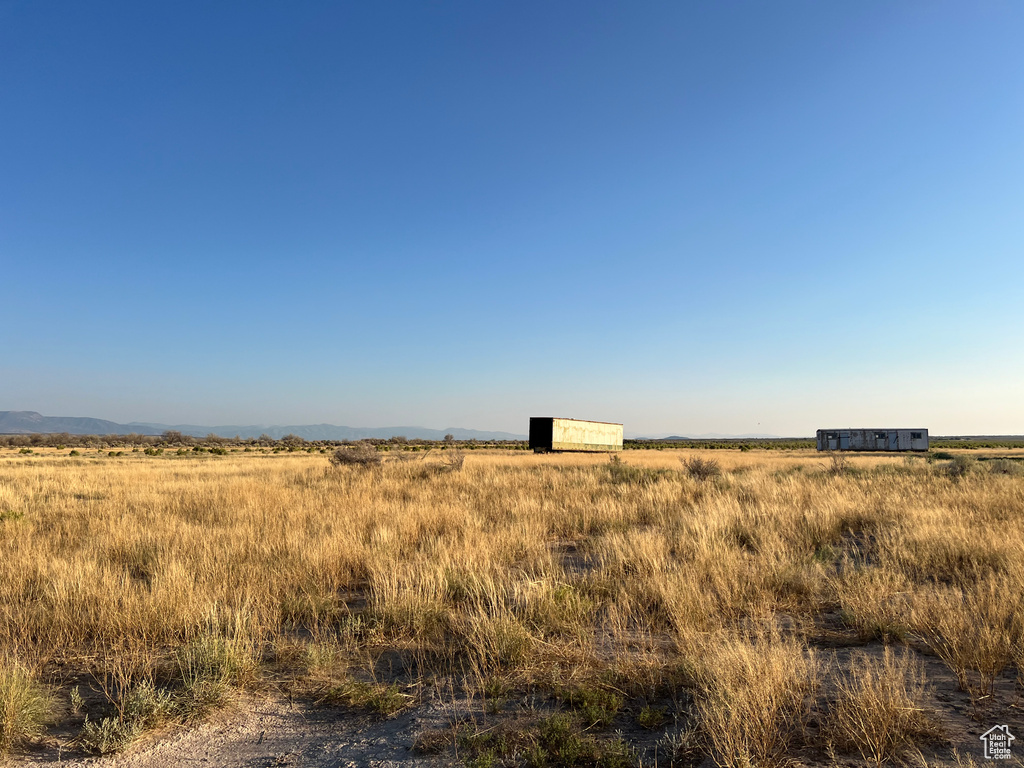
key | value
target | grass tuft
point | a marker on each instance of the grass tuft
(879, 707)
(25, 707)
(596, 707)
(754, 697)
(384, 699)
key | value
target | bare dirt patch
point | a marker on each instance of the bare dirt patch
(258, 732)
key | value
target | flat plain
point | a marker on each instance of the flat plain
(664, 607)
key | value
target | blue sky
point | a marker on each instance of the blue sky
(719, 217)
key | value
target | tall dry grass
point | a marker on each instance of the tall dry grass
(754, 697)
(25, 705)
(192, 572)
(880, 707)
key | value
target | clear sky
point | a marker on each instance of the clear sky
(689, 217)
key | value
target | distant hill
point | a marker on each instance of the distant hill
(30, 422)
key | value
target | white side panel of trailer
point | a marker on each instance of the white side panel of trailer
(571, 434)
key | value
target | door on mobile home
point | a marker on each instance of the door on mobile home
(894, 440)
(844, 441)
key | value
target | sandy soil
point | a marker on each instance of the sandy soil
(263, 732)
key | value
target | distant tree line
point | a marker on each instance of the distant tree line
(787, 443)
(176, 439)
(743, 444)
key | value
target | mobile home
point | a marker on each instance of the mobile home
(550, 434)
(872, 439)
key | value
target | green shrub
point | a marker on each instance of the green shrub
(143, 706)
(210, 664)
(651, 717)
(595, 706)
(1005, 467)
(383, 699)
(960, 466)
(108, 735)
(560, 738)
(147, 705)
(561, 742)
(76, 700)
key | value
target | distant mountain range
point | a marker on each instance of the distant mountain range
(30, 422)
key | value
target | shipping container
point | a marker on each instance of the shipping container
(872, 439)
(550, 434)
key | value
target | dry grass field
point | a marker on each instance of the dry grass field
(574, 610)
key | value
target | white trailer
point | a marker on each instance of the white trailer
(551, 434)
(873, 439)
